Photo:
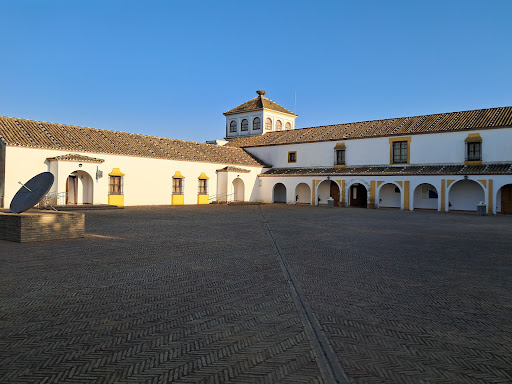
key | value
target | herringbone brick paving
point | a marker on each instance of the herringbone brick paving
(195, 295)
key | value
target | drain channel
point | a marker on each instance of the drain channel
(327, 361)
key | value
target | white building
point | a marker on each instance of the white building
(443, 162)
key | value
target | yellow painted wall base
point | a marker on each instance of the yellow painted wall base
(178, 199)
(116, 200)
(203, 199)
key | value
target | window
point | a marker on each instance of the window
(256, 123)
(245, 125)
(400, 152)
(232, 126)
(340, 157)
(474, 151)
(116, 182)
(177, 186)
(292, 157)
(279, 125)
(116, 185)
(203, 186)
(268, 124)
(288, 126)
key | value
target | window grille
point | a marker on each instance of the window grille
(203, 186)
(116, 185)
(400, 152)
(340, 157)
(245, 125)
(177, 186)
(474, 151)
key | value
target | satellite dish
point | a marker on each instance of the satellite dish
(32, 192)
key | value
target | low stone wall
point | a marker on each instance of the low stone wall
(39, 226)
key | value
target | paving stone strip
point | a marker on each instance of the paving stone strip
(328, 362)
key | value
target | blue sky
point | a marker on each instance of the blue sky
(171, 68)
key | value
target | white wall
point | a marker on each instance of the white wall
(434, 148)
(146, 181)
(424, 202)
(464, 195)
(388, 197)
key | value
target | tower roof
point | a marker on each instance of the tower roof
(258, 103)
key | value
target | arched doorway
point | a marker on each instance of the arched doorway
(390, 196)
(425, 197)
(326, 189)
(238, 186)
(303, 194)
(79, 188)
(358, 196)
(504, 200)
(464, 195)
(279, 193)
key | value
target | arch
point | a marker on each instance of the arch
(245, 125)
(326, 189)
(239, 190)
(504, 199)
(256, 123)
(268, 124)
(358, 195)
(302, 194)
(287, 126)
(464, 195)
(425, 197)
(390, 196)
(79, 188)
(232, 126)
(279, 125)
(279, 193)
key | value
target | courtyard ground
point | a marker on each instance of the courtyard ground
(261, 294)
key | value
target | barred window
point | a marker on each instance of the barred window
(232, 126)
(203, 186)
(292, 157)
(474, 151)
(400, 152)
(340, 157)
(268, 124)
(116, 185)
(256, 123)
(245, 125)
(177, 186)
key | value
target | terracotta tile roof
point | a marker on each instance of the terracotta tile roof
(258, 103)
(38, 134)
(76, 157)
(443, 122)
(488, 169)
(233, 169)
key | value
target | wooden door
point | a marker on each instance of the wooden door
(335, 193)
(506, 199)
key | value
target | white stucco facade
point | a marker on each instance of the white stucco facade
(147, 181)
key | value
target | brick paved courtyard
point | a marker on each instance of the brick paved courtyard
(261, 294)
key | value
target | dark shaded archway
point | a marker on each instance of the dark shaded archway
(358, 196)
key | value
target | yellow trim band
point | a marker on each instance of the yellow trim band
(406, 195)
